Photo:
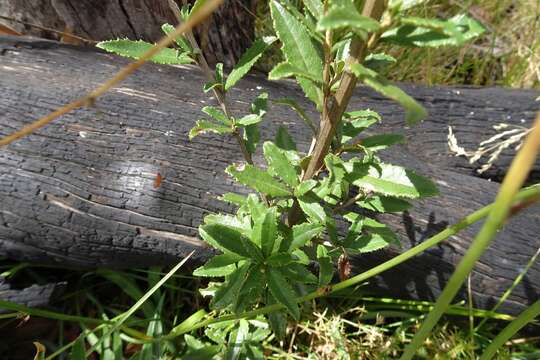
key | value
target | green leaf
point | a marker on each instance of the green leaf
(265, 232)
(219, 265)
(303, 115)
(347, 16)
(285, 70)
(229, 291)
(219, 73)
(313, 210)
(228, 239)
(414, 112)
(381, 142)
(251, 137)
(280, 164)
(298, 48)
(248, 59)
(284, 140)
(258, 179)
(217, 114)
(197, 6)
(260, 104)
(277, 320)
(379, 61)
(384, 204)
(391, 180)
(135, 49)
(237, 338)
(78, 352)
(434, 32)
(299, 273)
(234, 222)
(403, 5)
(304, 187)
(355, 122)
(280, 259)
(315, 7)
(204, 126)
(251, 290)
(180, 40)
(304, 233)
(282, 291)
(375, 237)
(234, 198)
(247, 120)
(326, 268)
(211, 86)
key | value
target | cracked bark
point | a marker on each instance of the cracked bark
(79, 193)
(224, 38)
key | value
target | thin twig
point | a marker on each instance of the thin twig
(89, 99)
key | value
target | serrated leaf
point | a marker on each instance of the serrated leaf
(260, 104)
(211, 86)
(391, 180)
(347, 16)
(384, 204)
(247, 120)
(237, 338)
(251, 290)
(251, 137)
(277, 319)
(326, 268)
(355, 122)
(228, 239)
(375, 236)
(282, 291)
(247, 60)
(285, 70)
(219, 265)
(304, 233)
(180, 40)
(135, 49)
(304, 187)
(229, 291)
(259, 180)
(381, 142)
(234, 222)
(414, 112)
(434, 32)
(298, 48)
(284, 140)
(217, 114)
(280, 259)
(313, 210)
(280, 164)
(234, 198)
(204, 126)
(379, 61)
(298, 272)
(265, 231)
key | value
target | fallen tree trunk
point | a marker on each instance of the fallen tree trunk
(79, 193)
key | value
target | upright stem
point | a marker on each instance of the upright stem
(205, 68)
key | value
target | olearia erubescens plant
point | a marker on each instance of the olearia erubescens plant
(286, 235)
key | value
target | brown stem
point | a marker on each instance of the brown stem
(330, 119)
(205, 68)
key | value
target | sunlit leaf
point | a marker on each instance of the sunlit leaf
(258, 179)
(384, 204)
(280, 164)
(219, 265)
(204, 126)
(135, 49)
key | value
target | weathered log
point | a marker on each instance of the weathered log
(79, 193)
(32, 296)
(223, 38)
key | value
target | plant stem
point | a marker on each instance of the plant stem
(523, 319)
(524, 195)
(513, 180)
(205, 68)
(90, 98)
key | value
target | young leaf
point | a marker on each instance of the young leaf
(285, 69)
(280, 164)
(248, 59)
(197, 6)
(265, 232)
(326, 268)
(414, 112)
(298, 48)
(297, 272)
(384, 204)
(229, 291)
(234, 198)
(347, 16)
(375, 236)
(258, 179)
(219, 265)
(381, 142)
(304, 187)
(180, 40)
(284, 140)
(379, 61)
(135, 49)
(313, 210)
(260, 104)
(219, 73)
(304, 233)
(228, 239)
(247, 120)
(282, 291)
(204, 126)
(391, 180)
(217, 114)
